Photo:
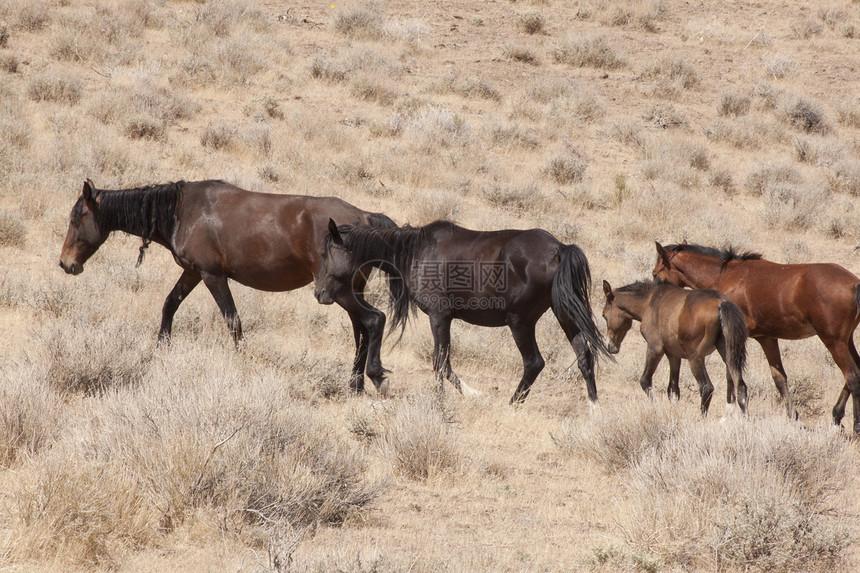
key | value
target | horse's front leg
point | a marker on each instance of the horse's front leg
(217, 285)
(771, 352)
(652, 359)
(368, 325)
(183, 287)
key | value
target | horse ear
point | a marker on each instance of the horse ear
(89, 195)
(607, 290)
(662, 253)
(335, 234)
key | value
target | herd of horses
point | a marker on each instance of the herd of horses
(699, 299)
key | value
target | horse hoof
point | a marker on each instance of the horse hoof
(382, 388)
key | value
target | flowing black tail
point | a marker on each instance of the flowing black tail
(734, 327)
(570, 288)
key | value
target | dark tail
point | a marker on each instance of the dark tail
(570, 289)
(734, 327)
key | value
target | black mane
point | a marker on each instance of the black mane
(391, 249)
(724, 256)
(148, 212)
(638, 288)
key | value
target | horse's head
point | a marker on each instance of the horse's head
(618, 322)
(665, 270)
(337, 268)
(84, 236)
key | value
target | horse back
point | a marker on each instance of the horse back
(266, 241)
(687, 322)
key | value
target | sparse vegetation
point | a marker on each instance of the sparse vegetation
(608, 123)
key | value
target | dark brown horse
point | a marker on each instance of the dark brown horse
(216, 231)
(682, 324)
(779, 301)
(489, 278)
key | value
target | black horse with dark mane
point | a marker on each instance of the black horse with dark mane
(488, 278)
(216, 231)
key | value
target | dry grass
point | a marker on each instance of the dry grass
(609, 123)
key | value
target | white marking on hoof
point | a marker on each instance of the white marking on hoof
(383, 389)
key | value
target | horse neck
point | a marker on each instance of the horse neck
(632, 303)
(700, 271)
(147, 212)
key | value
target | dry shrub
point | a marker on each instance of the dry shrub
(758, 497)
(89, 355)
(55, 86)
(30, 414)
(733, 104)
(431, 128)
(638, 15)
(522, 54)
(766, 177)
(628, 132)
(592, 52)
(328, 69)
(220, 136)
(780, 66)
(806, 28)
(473, 88)
(145, 127)
(435, 205)
(359, 22)
(669, 71)
(13, 231)
(723, 179)
(371, 87)
(512, 196)
(410, 31)
(566, 168)
(32, 16)
(223, 17)
(664, 116)
(816, 151)
(844, 177)
(263, 108)
(745, 134)
(531, 22)
(792, 207)
(620, 442)
(515, 136)
(806, 116)
(4, 34)
(419, 440)
(848, 113)
(202, 441)
(10, 63)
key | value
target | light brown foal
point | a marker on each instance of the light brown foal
(682, 324)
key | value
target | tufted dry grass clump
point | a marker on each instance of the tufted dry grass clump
(55, 86)
(733, 104)
(806, 116)
(420, 440)
(566, 168)
(31, 414)
(521, 54)
(221, 136)
(13, 230)
(532, 22)
(359, 22)
(595, 52)
(669, 71)
(763, 178)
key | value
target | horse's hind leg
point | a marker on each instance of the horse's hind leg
(845, 360)
(584, 355)
(674, 390)
(706, 388)
(732, 379)
(839, 408)
(217, 285)
(183, 287)
(771, 352)
(524, 336)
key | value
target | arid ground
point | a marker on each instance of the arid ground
(609, 123)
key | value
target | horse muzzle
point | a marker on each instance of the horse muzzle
(72, 268)
(323, 297)
(612, 348)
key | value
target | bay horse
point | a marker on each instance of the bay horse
(681, 324)
(488, 278)
(779, 301)
(217, 231)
